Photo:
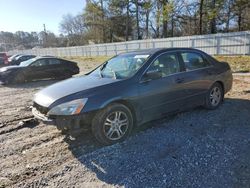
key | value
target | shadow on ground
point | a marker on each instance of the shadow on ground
(194, 148)
(33, 84)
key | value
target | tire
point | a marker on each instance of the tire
(214, 96)
(112, 124)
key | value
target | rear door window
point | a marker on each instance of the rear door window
(54, 62)
(193, 61)
(40, 62)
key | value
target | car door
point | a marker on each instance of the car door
(39, 69)
(57, 69)
(198, 76)
(164, 94)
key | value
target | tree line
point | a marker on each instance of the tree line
(114, 20)
(104, 21)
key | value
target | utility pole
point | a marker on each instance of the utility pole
(45, 35)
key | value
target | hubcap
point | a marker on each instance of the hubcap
(215, 96)
(116, 125)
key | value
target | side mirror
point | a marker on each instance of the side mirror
(152, 75)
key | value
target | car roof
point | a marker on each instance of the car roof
(46, 57)
(155, 50)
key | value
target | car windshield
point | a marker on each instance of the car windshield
(27, 62)
(122, 66)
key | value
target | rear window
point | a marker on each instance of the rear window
(54, 62)
(193, 61)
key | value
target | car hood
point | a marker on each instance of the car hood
(3, 69)
(50, 94)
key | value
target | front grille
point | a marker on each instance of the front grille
(41, 109)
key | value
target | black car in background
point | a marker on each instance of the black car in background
(20, 58)
(38, 68)
(133, 88)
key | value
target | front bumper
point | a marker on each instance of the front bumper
(3, 79)
(40, 116)
(65, 122)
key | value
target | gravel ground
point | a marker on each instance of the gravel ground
(198, 148)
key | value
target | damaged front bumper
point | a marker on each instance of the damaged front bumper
(65, 122)
(38, 115)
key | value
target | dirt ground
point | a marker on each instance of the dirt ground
(198, 148)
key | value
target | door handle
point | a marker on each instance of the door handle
(179, 80)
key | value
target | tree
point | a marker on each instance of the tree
(74, 27)
(201, 15)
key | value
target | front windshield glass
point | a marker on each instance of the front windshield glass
(122, 66)
(27, 62)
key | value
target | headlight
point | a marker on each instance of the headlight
(69, 108)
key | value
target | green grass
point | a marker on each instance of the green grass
(237, 63)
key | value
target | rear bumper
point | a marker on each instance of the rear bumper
(228, 83)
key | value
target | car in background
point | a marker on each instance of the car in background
(133, 88)
(11, 58)
(38, 68)
(20, 58)
(3, 59)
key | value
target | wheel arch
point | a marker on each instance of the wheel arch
(222, 86)
(128, 105)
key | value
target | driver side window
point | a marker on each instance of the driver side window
(40, 62)
(166, 63)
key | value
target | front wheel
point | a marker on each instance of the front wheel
(112, 124)
(214, 96)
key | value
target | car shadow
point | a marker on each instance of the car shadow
(153, 152)
(32, 84)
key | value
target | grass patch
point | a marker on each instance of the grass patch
(82, 59)
(237, 63)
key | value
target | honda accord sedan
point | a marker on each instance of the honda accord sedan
(38, 68)
(133, 88)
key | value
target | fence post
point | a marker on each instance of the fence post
(97, 47)
(248, 34)
(153, 43)
(218, 44)
(245, 44)
(106, 50)
(115, 50)
(82, 52)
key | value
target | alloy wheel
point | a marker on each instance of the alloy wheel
(215, 96)
(116, 125)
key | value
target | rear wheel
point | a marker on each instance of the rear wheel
(214, 96)
(112, 124)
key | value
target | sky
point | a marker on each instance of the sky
(30, 15)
